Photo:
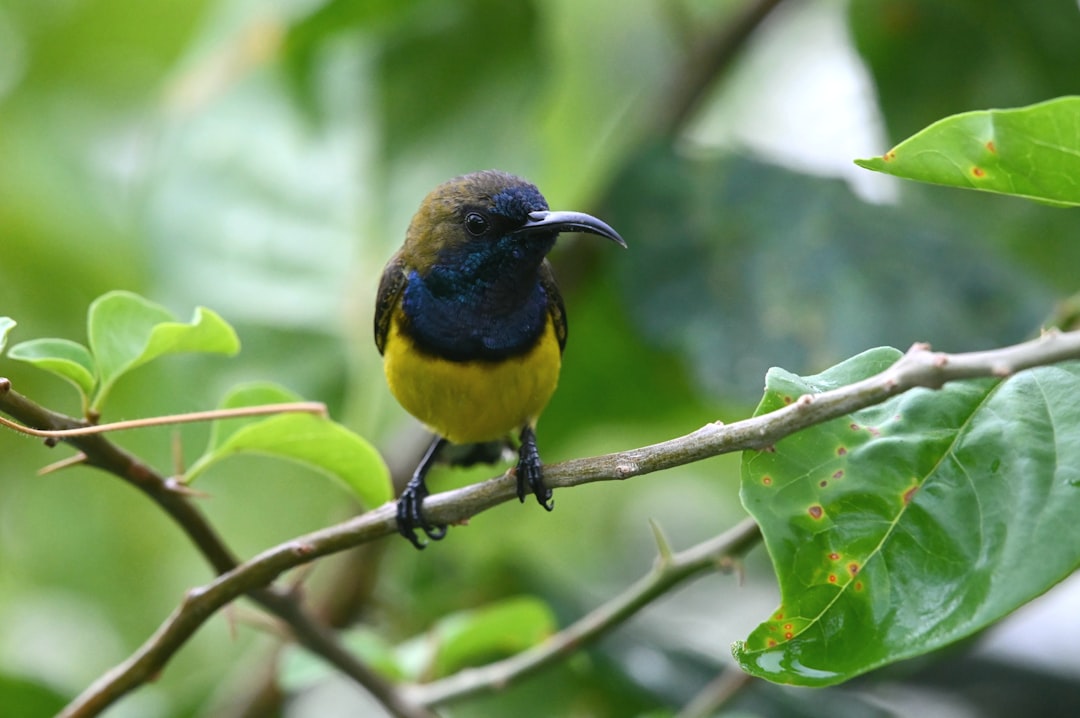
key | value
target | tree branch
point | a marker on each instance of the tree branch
(919, 367)
(308, 631)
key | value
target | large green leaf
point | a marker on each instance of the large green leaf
(63, 357)
(1031, 152)
(313, 441)
(126, 331)
(907, 526)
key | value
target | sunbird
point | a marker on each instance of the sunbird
(471, 325)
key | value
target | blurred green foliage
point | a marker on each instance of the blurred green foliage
(263, 159)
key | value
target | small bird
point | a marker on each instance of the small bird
(471, 325)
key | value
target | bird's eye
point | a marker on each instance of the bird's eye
(475, 223)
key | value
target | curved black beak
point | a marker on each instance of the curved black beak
(569, 222)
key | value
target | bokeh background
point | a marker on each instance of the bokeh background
(264, 158)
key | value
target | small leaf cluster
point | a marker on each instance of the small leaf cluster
(126, 331)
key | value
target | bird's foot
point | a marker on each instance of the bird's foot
(410, 515)
(410, 509)
(530, 471)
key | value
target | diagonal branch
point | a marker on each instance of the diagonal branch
(919, 367)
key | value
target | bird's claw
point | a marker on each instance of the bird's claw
(410, 515)
(530, 473)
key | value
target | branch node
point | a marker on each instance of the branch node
(1001, 370)
(5, 385)
(177, 486)
(731, 564)
(301, 548)
(805, 400)
(626, 469)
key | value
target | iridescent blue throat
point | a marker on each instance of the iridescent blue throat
(482, 302)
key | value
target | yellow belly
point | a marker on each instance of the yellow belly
(470, 402)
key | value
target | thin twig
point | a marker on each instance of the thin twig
(66, 463)
(666, 574)
(919, 367)
(303, 407)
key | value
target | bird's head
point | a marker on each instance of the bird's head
(489, 224)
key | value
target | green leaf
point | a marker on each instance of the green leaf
(469, 638)
(67, 359)
(127, 331)
(913, 524)
(6, 325)
(313, 441)
(1031, 152)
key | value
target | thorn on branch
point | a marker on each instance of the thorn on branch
(5, 385)
(663, 546)
(62, 464)
(177, 486)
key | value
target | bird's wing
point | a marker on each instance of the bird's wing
(390, 288)
(554, 303)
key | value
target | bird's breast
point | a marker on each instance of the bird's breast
(474, 400)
